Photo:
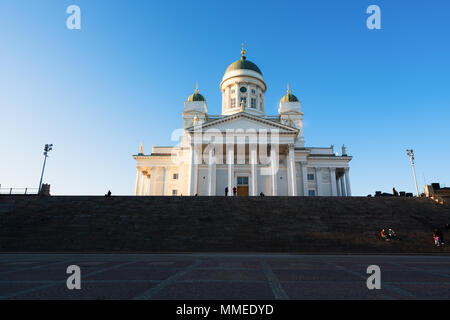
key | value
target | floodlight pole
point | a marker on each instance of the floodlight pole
(47, 148)
(410, 153)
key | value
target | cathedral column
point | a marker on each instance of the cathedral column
(211, 172)
(292, 176)
(236, 95)
(138, 180)
(144, 182)
(152, 184)
(147, 192)
(192, 172)
(163, 181)
(338, 184)
(343, 192)
(333, 182)
(305, 179)
(253, 164)
(274, 169)
(319, 181)
(248, 105)
(230, 162)
(258, 99)
(347, 182)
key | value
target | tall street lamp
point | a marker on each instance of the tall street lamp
(47, 149)
(410, 153)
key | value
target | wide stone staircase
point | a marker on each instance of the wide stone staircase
(219, 224)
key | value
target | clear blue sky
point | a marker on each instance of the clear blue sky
(122, 79)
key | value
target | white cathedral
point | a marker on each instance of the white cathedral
(243, 151)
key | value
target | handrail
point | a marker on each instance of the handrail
(19, 191)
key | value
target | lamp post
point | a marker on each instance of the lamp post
(410, 153)
(47, 149)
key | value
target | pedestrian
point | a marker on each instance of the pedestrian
(226, 191)
(395, 192)
(261, 194)
(108, 194)
(438, 237)
(234, 191)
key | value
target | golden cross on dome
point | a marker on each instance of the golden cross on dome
(243, 50)
(196, 87)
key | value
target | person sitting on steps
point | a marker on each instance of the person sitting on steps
(391, 234)
(383, 235)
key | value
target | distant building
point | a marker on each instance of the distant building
(435, 192)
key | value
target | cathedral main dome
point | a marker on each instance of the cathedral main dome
(243, 63)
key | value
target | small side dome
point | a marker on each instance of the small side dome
(289, 97)
(196, 96)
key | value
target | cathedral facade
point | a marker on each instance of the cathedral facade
(243, 151)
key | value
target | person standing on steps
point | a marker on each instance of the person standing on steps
(395, 192)
(438, 237)
(226, 191)
(234, 191)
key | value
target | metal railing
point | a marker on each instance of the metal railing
(19, 190)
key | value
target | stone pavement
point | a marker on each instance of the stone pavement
(223, 276)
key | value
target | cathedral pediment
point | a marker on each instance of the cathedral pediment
(245, 121)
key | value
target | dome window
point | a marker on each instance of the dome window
(243, 89)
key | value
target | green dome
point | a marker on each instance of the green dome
(243, 63)
(289, 98)
(196, 97)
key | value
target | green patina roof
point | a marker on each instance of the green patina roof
(196, 97)
(243, 63)
(289, 98)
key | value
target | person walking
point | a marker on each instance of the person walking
(226, 191)
(234, 191)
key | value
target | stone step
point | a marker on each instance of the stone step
(199, 224)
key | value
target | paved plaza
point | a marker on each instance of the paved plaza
(223, 276)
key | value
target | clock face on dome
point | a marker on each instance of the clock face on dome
(243, 89)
